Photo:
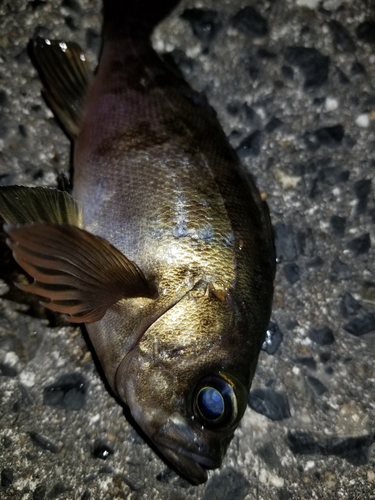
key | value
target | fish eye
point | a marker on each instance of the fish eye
(215, 402)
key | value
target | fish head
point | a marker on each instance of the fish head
(187, 388)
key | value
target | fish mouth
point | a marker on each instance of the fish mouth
(193, 467)
(190, 452)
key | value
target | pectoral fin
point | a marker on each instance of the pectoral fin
(19, 205)
(76, 273)
(65, 72)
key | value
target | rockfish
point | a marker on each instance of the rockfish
(164, 249)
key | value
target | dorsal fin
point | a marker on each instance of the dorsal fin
(66, 75)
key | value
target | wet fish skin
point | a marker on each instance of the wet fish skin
(156, 178)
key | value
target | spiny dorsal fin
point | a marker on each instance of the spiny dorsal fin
(65, 72)
(76, 273)
(19, 205)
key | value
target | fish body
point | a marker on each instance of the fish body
(169, 257)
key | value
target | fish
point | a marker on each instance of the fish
(164, 248)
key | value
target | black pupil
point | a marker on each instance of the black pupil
(211, 403)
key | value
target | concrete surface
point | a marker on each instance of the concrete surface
(303, 122)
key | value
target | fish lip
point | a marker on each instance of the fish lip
(201, 460)
(193, 467)
(179, 445)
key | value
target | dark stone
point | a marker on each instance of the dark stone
(8, 371)
(341, 37)
(269, 403)
(322, 336)
(285, 242)
(291, 324)
(362, 190)
(68, 392)
(7, 442)
(353, 449)
(273, 124)
(250, 22)
(59, 489)
(307, 361)
(361, 325)
(333, 175)
(266, 54)
(349, 306)
(72, 5)
(93, 40)
(287, 72)
(368, 291)
(250, 146)
(316, 385)
(325, 356)
(313, 65)
(329, 370)
(7, 477)
(3, 129)
(330, 136)
(36, 4)
(315, 263)
(339, 271)
(338, 225)
(358, 68)
(3, 98)
(182, 61)
(366, 31)
(291, 272)
(305, 243)
(71, 23)
(86, 495)
(228, 484)
(284, 494)
(252, 116)
(233, 109)
(205, 23)
(101, 450)
(39, 492)
(269, 456)
(360, 245)
(274, 337)
(43, 442)
(252, 68)
(22, 130)
(343, 79)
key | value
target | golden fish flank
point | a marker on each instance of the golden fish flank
(165, 250)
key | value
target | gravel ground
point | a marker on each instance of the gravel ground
(293, 85)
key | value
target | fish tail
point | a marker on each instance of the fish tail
(134, 18)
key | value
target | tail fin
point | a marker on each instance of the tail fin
(135, 18)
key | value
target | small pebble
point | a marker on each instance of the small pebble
(363, 120)
(360, 245)
(273, 405)
(274, 337)
(322, 336)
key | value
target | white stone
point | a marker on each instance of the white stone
(310, 4)
(363, 120)
(331, 104)
(27, 379)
